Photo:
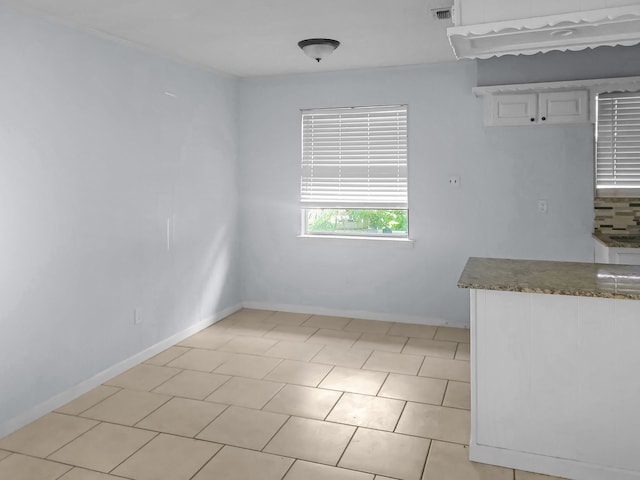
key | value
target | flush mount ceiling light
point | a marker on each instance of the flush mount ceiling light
(318, 48)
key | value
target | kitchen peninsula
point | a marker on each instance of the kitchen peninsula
(555, 358)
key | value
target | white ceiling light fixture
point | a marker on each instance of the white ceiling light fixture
(318, 48)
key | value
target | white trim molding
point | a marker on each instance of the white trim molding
(528, 36)
(351, 240)
(596, 86)
(359, 314)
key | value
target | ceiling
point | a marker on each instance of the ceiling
(259, 37)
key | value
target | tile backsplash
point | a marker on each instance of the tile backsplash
(617, 215)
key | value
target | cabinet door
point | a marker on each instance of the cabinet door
(564, 107)
(511, 109)
(624, 257)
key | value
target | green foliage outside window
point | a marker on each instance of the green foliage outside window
(354, 222)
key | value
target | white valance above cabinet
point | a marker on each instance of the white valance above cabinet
(549, 102)
(492, 28)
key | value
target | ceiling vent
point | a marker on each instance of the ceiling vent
(441, 13)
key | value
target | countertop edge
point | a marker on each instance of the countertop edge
(572, 293)
(578, 279)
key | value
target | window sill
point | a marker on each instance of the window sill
(360, 241)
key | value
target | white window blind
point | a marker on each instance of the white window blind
(354, 158)
(618, 141)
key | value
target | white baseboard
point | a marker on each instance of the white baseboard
(360, 314)
(62, 398)
(543, 464)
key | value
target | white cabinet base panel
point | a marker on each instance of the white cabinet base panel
(619, 255)
(559, 467)
(555, 384)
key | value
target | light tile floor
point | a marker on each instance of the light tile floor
(271, 396)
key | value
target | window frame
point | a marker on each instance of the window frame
(403, 164)
(609, 191)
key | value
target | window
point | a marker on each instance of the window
(618, 144)
(354, 171)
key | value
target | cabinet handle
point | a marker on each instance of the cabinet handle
(544, 118)
(533, 119)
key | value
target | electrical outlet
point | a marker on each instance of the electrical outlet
(137, 316)
(454, 180)
(543, 206)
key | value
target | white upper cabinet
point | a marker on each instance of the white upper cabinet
(511, 109)
(490, 28)
(549, 102)
(537, 108)
(563, 107)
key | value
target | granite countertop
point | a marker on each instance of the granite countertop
(557, 278)
(618, 240)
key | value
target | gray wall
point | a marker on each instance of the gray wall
(601, 62)
(504, 172)
(94, 158)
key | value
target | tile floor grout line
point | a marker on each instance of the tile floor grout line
(276, 433)
(73, 467)
(360, 334)
(399, 416)
(377, 429)
(119, 389)
(171, 397)
(382, 384)
(284, 385)
(57, 462)
(180, 370)
(179, 435)
(405, 343)
(215, 389)
(347, 445)
(324, 419)
(295, 460)
(195, 437)
(426, 459)
(444, 395)
(63, 474)
(136, 451)
(174, 359)
(73, 440)
(150, 430)
(315, 462)
(325, 376)
(208, 461)
(233, 337)
(290, 415)
(368, 358)
(424, 358)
